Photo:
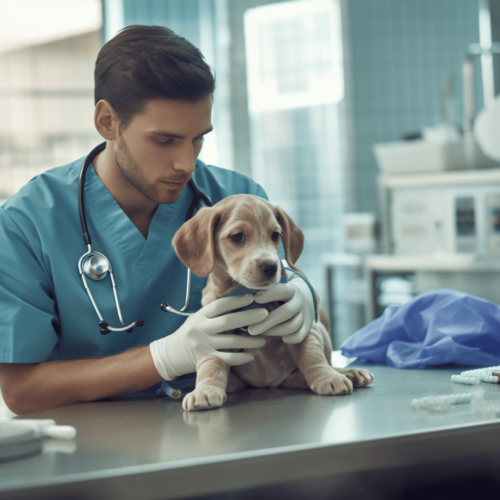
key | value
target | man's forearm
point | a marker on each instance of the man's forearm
(31, 388)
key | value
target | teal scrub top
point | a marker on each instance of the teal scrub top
(46, 313)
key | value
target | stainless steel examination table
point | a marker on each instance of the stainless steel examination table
(148, 448)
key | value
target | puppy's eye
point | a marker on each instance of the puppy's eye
(275, 236)
(239, 237)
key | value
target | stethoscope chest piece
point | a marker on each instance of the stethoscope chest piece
(96, 266)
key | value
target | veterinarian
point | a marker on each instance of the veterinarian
(153, 94)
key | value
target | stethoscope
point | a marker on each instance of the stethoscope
(96, 266)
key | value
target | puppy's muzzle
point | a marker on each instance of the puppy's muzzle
(269, 270)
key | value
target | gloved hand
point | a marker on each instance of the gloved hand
(294, 318)
(199, 336)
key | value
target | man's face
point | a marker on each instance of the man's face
(157, 151)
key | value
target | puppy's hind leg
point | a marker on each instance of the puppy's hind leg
(211, 384)
(234, 383)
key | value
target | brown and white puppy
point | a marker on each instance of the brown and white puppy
(236, 242)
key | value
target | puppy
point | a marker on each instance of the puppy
(236, 242)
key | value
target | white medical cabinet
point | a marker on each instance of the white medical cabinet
(441, 213)
(437, 230)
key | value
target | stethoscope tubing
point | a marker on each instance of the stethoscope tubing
(90, 254)
(198, 195)
(81, 189)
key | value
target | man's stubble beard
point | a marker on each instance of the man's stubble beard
(133, 173)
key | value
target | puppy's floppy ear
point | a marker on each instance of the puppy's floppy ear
(293, 237)
(194, 241)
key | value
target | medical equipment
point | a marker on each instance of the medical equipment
(96, 266)
(441, 402)
(449, 212)
(20, 438)
(475, 377)
(462, 379)
(18, 441)
(198, 196)
(486, 127)
(44, 427)
(479, 404)
(360, 232)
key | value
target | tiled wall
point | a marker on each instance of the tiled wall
(202, 22)
(297, 139)
(398, 52)
(303, 170)
(186, 18)
(181, 16)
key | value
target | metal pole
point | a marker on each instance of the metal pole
(485, 40)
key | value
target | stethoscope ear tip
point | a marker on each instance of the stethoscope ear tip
(104, 328)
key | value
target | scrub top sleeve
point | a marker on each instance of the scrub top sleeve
(29, 320)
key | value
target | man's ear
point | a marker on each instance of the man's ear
(194, 241)
(293, 237)
(106, 120)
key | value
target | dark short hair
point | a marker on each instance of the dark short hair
(149, 62)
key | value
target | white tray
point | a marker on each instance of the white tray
(421, 156)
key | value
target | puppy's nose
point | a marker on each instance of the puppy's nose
(269, 270)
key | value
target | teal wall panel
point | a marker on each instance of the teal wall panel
(182, 16)
(399, 50)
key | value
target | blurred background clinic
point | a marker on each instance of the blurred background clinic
(371, 122)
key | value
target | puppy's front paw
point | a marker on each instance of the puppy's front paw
(204, 399)
(330, 383)
(358, 376)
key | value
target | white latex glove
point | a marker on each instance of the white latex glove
(294, 318)
(201, 335)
